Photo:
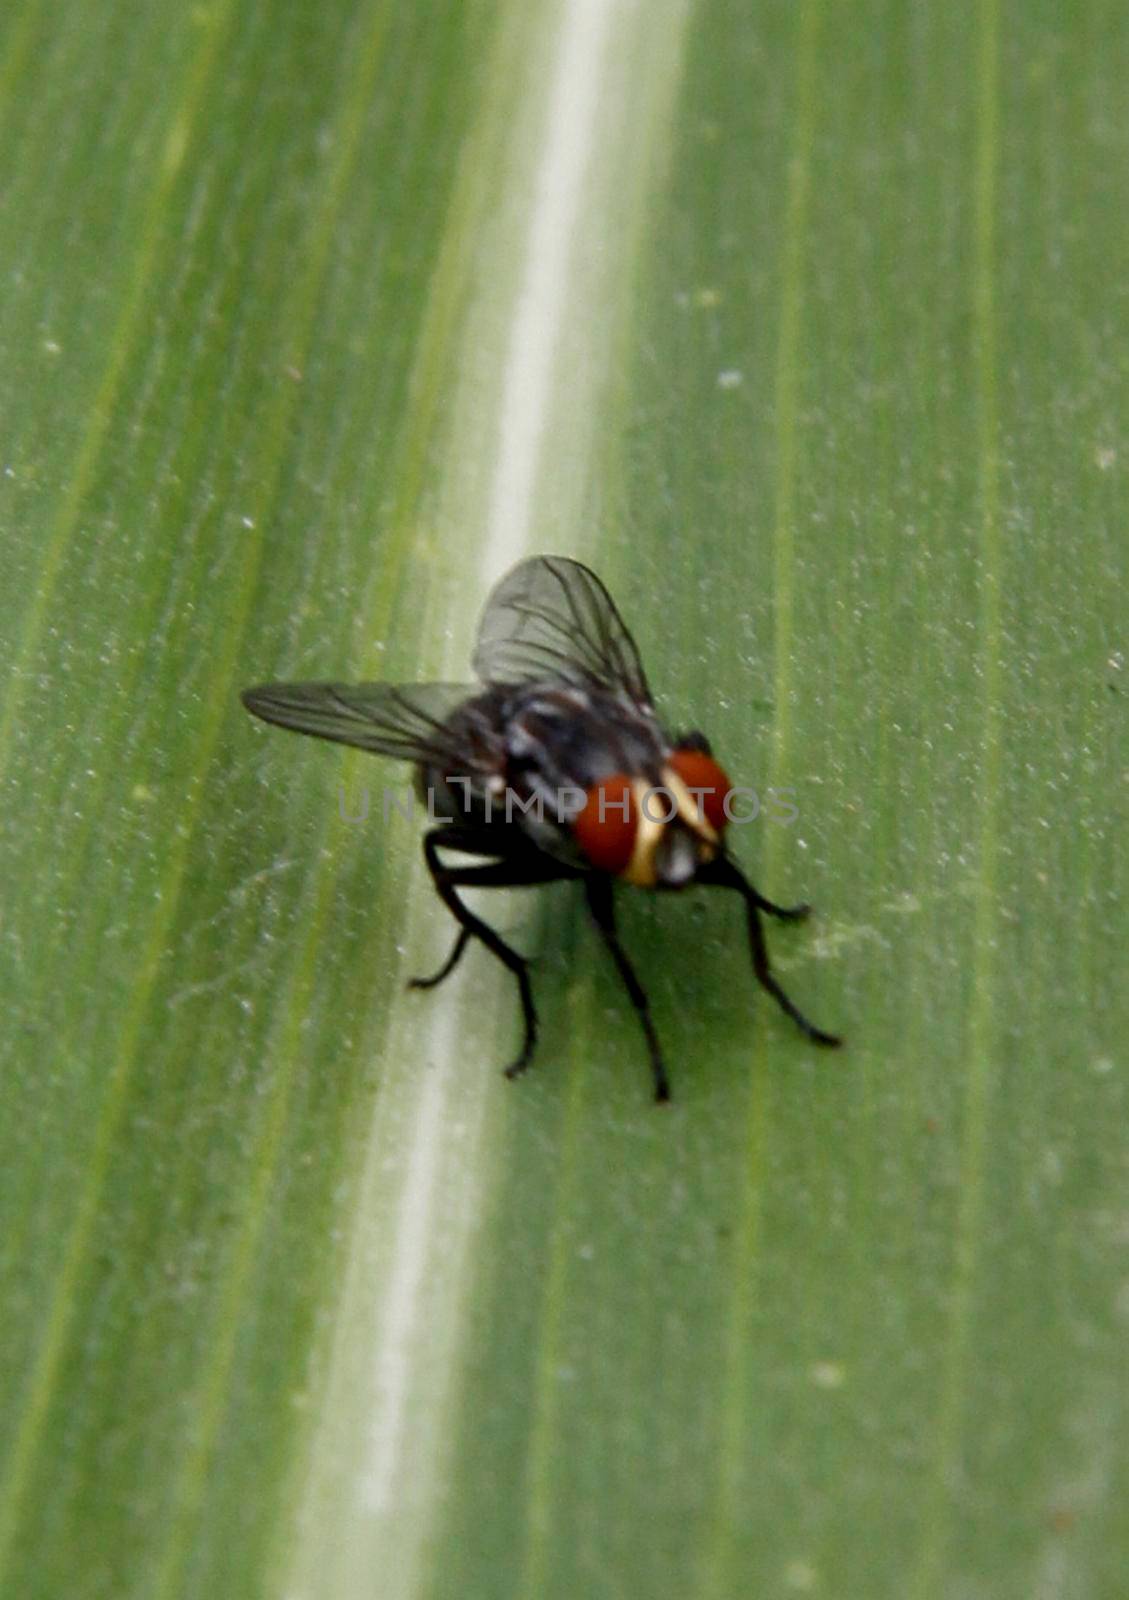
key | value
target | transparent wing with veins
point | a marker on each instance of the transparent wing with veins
(551, 619)
(410, 722)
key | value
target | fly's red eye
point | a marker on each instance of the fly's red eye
(605, 827)
(707, 783)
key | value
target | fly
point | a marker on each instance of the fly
(554, 766)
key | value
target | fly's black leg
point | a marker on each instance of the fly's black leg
(445, 880)
(767, 981)
(528, 868)
(727, 875)
(601, 903)
(448, 966)
(784, 913)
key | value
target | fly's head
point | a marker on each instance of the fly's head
(659, 827)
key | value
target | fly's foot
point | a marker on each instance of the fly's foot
(788, 913)
(448, 966)
(516, 1068)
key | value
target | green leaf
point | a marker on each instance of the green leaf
(805, 326)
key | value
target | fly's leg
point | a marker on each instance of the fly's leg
(717, 872)
(725, 873)
(784, 913)
(448, 966)
(767, 981)
(601, 903)
(531, 868)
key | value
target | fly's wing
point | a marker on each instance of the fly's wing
(407, 721)
(552, 618)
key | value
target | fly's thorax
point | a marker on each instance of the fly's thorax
(567, 736)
